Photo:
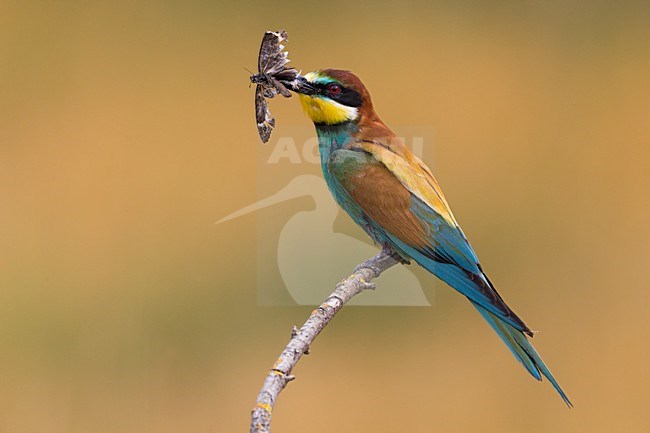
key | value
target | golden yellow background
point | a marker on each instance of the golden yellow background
(126, 130)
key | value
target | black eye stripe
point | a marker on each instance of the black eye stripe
(345, 96)
(348, 97)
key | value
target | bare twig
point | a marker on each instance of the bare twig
(301, 338)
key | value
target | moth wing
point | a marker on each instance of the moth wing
(280, 87)
(271, 51)
(265, 122)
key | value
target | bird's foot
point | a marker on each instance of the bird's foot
(401, 259)
(369, 264)
(388, 251)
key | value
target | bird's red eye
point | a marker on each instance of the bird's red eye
(334, 89)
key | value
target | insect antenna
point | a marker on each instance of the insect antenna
(250, 72)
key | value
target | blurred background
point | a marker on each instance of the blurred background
(126, 131)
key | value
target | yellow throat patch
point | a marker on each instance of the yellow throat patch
(321, 109)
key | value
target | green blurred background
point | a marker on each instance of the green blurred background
(126, 130)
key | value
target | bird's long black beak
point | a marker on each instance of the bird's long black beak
(301, 85)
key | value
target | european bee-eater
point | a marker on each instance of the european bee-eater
(394, 197)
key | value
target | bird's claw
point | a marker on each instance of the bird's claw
(386, 251)
(368, 264)
(400, 259)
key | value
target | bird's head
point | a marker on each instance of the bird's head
(332, 96)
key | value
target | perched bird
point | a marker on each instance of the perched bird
(393, 196)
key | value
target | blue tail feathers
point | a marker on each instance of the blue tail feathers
(509, 327)
(519, 345)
